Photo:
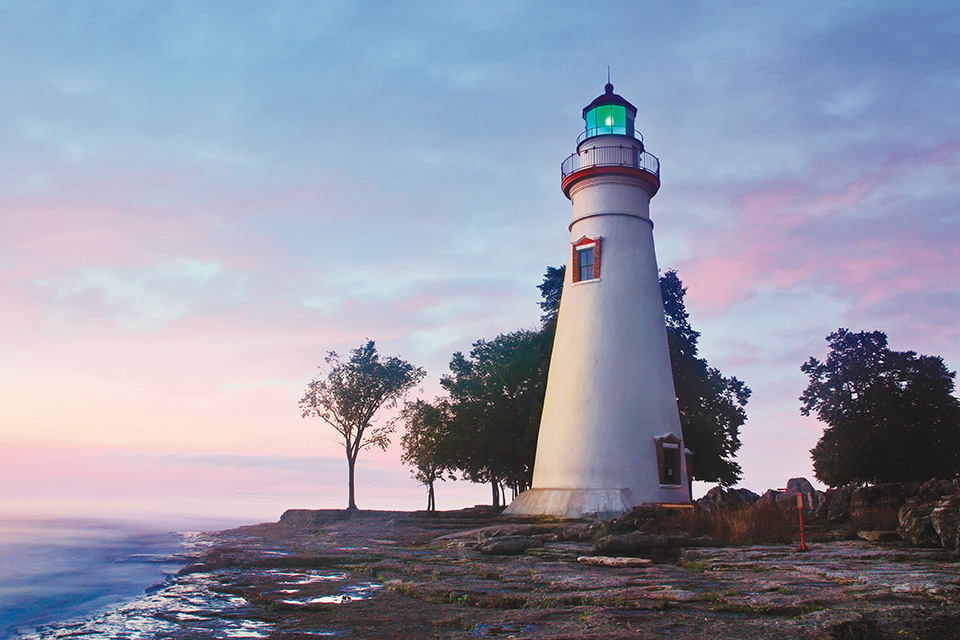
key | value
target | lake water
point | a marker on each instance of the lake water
(57, 569)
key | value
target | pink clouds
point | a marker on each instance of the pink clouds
(50, 235)
(858, 237)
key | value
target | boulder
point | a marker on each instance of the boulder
(631, 543)
(719, 499)
(890, 494)
(934, 489)
(915, 525)
(944, 518)
(645, 544)
(834, 505)
(930, 517)
(768, 499)
(787, 500)
(507, 545)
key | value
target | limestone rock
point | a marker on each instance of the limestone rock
(787, 500)
(768, 499)
(631, 543)
(647, 544)
(934, 489)
(915, 525)
(930, 518)
(314, 518)
(879, 536)
(608, 561)
(718, 499)
(835, 505)
(944, 518)
(507, 545)
(890, 494)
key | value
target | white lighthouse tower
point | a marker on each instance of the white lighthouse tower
(610, 435)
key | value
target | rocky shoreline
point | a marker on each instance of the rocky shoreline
(472, 573)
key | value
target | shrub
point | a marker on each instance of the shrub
(748, 525)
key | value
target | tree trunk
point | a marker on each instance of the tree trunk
(351, 500)
(495, 485)
(431, 499)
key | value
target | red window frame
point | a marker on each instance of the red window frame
(581, 245)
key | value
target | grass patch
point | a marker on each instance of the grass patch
(749, 525)
(459, 598)
(694, 566)
(856, 630)
(784, 611)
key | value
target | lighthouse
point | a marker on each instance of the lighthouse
(610, 436)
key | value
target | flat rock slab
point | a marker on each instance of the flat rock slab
(612, 561)
(381, 575)
(507, 545)
(879, 536)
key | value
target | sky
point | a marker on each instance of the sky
(199, 200)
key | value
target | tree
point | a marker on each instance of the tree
(426, 442)
(350, 395)
(890, 415)
(711, 406)
(496, 397)
(550, 290)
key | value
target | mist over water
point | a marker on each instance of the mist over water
(54, 569)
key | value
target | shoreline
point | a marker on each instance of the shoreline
(56, 570)
(376, 574)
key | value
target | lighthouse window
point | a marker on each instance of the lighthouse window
(585, 263)
(670, 472)
(668, 459)
(606, 119)
(586, 259)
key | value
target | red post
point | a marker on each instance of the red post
(803, 546)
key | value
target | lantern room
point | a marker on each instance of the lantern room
(609, 114)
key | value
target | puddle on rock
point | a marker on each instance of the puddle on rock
(351, 593)
(502, 629)
(307, 577)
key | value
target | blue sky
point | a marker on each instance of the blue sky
(198, 200)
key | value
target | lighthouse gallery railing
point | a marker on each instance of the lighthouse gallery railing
(610, 157)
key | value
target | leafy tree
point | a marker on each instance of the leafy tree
(711, 405)
(496, 397)
(890, 415)
(350, 395)
(550, 290)
(426, 442)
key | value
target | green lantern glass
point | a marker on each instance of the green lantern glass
(607, 119)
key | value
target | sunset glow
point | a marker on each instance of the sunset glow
(197, 202)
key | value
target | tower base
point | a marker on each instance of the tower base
(570, 503)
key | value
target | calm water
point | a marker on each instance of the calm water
(57, 569)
